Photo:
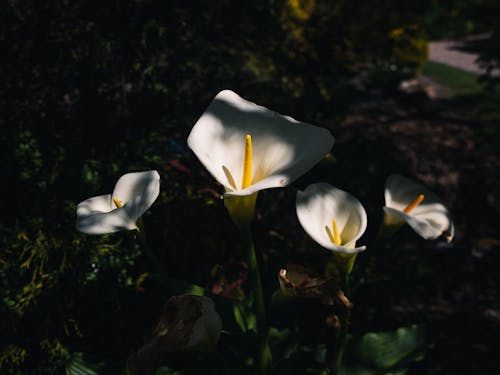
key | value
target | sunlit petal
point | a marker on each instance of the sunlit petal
(430, 219)
(283, 148)
(136, 192)
(319, 204)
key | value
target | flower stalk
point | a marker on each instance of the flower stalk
(264, 353)
(242, 209)
(345, 320)
(271, 156)
(174, 286)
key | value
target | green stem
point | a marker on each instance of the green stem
(180, 287)
(264, 352)
(174, 286)
(153, 259)
(386, 231)
(344, 328)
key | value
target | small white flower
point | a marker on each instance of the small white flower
(332, 217)
(247, 147)
(133, 194)
(408, 201)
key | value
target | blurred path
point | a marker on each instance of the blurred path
(449, 52)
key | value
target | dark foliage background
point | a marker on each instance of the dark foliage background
(89, 92)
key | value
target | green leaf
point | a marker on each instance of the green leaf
(79, 364)
(239, 316)
(283, 342)
(384, 352)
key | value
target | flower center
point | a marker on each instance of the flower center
(247, 163)
(414, 204)
(117, 202)
(334, 234)
(246, 179)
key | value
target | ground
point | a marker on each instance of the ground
(453, 288)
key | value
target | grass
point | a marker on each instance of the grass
(467, 91)
(460, 82)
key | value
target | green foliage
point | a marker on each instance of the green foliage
(30, 159)
(410, 47)
(386, 352)
(81, 364)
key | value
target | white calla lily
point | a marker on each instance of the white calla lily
(133, 194)
(247, 147)
(332, 217)
(410, 202)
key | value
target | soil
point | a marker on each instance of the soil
(453, 288)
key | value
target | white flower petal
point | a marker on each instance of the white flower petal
(319, 204)
(401, 191)
(101, 203)
(136, 191)
(95, 216)
(283, 148)
(430, 219)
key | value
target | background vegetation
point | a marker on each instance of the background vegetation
(91, 92)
